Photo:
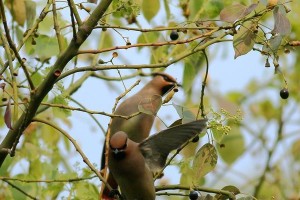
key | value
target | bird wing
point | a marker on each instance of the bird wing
(156, 148)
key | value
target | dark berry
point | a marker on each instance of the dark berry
(174, 35)
(193, 195)
(195, 139)
(284, 93)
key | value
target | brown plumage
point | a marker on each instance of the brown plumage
(133, 164)
(138, 128)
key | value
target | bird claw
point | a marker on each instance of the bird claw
(114, 193)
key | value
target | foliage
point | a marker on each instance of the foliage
(51, 49)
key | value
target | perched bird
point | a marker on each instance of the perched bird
(149, 100)
(133, 164)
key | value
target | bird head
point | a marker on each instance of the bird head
(118, 145)
(164, 82)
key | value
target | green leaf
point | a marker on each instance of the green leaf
(30, 13)
(188, 76)
(243, 41)
(295, 150)
(192, 66)
(17, 10)
(217, 134)
(213, 8)
(150, 8)
(151, 105)
(273, 44)
(147, 37)
(184, 113)
(235, 12)
(195, 7)
(282, 24)
(186, 172)
(37, 78)
(268, 110)
(167, 9)
(205, 161)
(232, 147)
(46, 47)
(229, 188)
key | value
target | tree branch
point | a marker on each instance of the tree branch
(39, 94)
(76, 146)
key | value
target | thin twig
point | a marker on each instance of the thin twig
(160, 28)
(13, 47)
(151, 44)
(75, 12)
(76, 146)
(88, 111)
(142, 66)
(204, 82)
(73, 21)
(19, 189)
(91, 115)
(104, 171)
(229, 194)
(69, 180)
(49, 80)
(56, 26)
(123, 94)
(42, 15)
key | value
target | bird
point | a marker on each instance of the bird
(134, 164)
(148, 100)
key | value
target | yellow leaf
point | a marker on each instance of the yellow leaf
(18, 10)
(150, 8)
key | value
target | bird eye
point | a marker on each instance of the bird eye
(167, 79)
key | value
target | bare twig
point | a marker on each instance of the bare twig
(143, 66)
(56, 26)
(151, 44)
(229, 194)
(88, 111)
(42, 15)
(76, 146)
(39, 93)
(104, 170)
(69, 180)
(72, 20)
(204, 82)
(13, 47)
(19, 189)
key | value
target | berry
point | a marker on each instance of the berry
(195, 139)
(174, 35)
(284, 93)
(193, 195)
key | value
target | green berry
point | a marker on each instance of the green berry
(284, 93)
(174, 35)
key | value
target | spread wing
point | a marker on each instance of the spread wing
(156, 148)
